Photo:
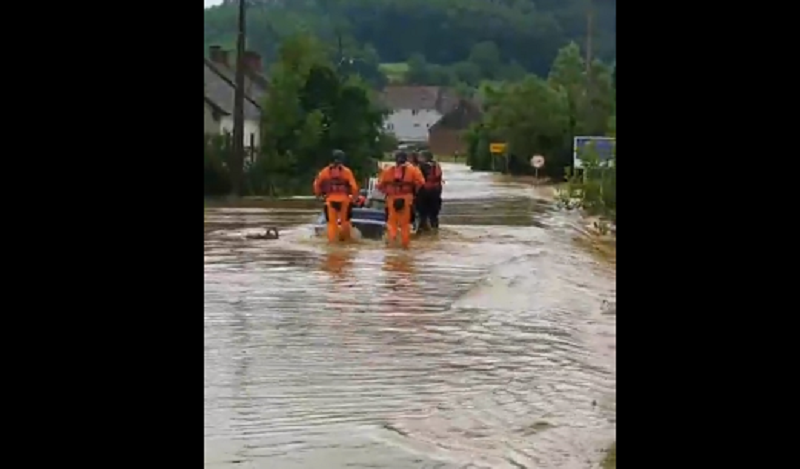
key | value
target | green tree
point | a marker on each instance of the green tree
(536, 116)
(216, 176)
(512, 71)
(600, 99)
(311, 110)
(590, 93)
(531, 117)
(594, 189)
(464, 90)
(366, 64)
(486, 57)
(440, 75)
(478, 138)
(566, 75)
(612, 126)
(614, 74)
(529, 32)
(417, 69)
(467, 72)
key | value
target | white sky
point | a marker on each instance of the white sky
(209, 3)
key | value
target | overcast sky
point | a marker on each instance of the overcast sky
(209, 3)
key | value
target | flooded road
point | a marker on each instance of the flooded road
(485, 348)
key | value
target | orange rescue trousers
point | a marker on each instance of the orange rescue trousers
(399, 216)
(336, 208)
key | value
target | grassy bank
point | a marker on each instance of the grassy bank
(610, 461)
(395, 72)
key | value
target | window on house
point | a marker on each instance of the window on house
(416, 124)
(389, 126)
(414, 112)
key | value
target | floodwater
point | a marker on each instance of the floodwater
(487, 347)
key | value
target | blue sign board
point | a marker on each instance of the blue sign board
(604, 146)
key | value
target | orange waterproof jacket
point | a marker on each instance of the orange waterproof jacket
(335, 182)
(400, 180)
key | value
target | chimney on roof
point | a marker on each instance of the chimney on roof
(218, 56)
(252, 62)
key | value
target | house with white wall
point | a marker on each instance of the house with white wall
(220, 88)
(214, 113)
(413, 110)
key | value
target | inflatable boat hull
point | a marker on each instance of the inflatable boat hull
(370, 222)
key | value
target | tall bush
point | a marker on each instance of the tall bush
(216, 174)
(535, 116)
(594, 189)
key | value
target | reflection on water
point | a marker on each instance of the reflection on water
(486, 346)
(337, 262)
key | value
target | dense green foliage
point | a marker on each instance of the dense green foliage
(494, 49)
(469, 40)
(594, 189)
(311, 110)
(537, 116)
(216, 176)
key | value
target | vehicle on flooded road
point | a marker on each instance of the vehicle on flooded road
(369, 220)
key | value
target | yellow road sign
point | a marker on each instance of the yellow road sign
(497, 147)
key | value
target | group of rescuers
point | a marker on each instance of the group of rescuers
(413, 184)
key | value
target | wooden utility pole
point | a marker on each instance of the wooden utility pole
(237, 169)
(589, 18)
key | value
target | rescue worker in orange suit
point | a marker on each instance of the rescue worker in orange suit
(413, 159)
(400, 182)
(429, 198)
(336, 183)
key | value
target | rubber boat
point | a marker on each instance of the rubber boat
(370, 220)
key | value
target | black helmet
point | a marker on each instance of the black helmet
(400, 157)
(338, 156)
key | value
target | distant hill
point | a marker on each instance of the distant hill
(526, 32)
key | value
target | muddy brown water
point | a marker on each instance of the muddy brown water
(487, 347)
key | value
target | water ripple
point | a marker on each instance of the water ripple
(485, 348)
